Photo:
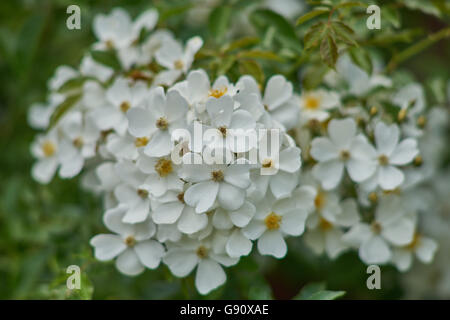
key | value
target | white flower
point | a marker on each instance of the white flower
(422, 247)
(79, 143)
(177, 61)
(89, 67)
(40, 113)
(231, 127)
(121, 96)
(314, 105)
(172, 209)
(61, 76)
(183, 257)
(390, 152)
(391, 226)
(133, 192)
(46, 149)
(342, 149)
(280, 102)
(411, 98)
(226, 183)
(132, 244)
(117, 31)
(324, 227)
(359, 82)
(272, 222)
(162, 115)
(196, 89)
(282, 173)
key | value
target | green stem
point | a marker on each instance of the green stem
(416, 48)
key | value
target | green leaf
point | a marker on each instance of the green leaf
(312, 14)
(264, 19)
(391, 15)
(313, 76)
(350, 4)
(63, 108)
(314, 35)
(344, 33)
(225, 65)
(328, 50)
(362, 59)
(241, 43)
(107, 58)
(219, 19)
(326, 295)
(259, 54)
(73, 84)
(316, 291)
(252, 68)
(309, 289)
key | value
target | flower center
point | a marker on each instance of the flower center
(223, 131)
(267, 163)
(319, 200)
(345, 155)
(78, 142)
(217, 176)
(202, 252)
(130, 241)
(376, 227)
(324, 224)
(383, 160)
(312, 103)
(272, 221)
(109, 44)
(124, 106)
(162, 123)
(142, 193)
(217, 93)
(178, 64)
(141, 142)
(163, 167)
(48, 148)
(180, 197)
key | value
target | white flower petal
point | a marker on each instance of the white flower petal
(209, 276)
(180, 262)
(238, 245)
(149, 253)
(202, 195)
(128, 263)
(342, 132)
(329, 173)
(107, 246)
(375, 251)
(272, 243)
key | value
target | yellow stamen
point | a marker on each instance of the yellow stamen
(178, 64)
(312, 103)
(164, 167)
(272, 221)
(217, 93)
(324, 224)
(217, 176)
(48, 148)
(141, 142)
(383, 160)
(162, 123)
(202, 252)
(130, 241)
(124, 106)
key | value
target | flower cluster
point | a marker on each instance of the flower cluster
(199, 201)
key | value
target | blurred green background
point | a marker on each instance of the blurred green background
(44, 229)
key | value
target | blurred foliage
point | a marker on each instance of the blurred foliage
(44, 229)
